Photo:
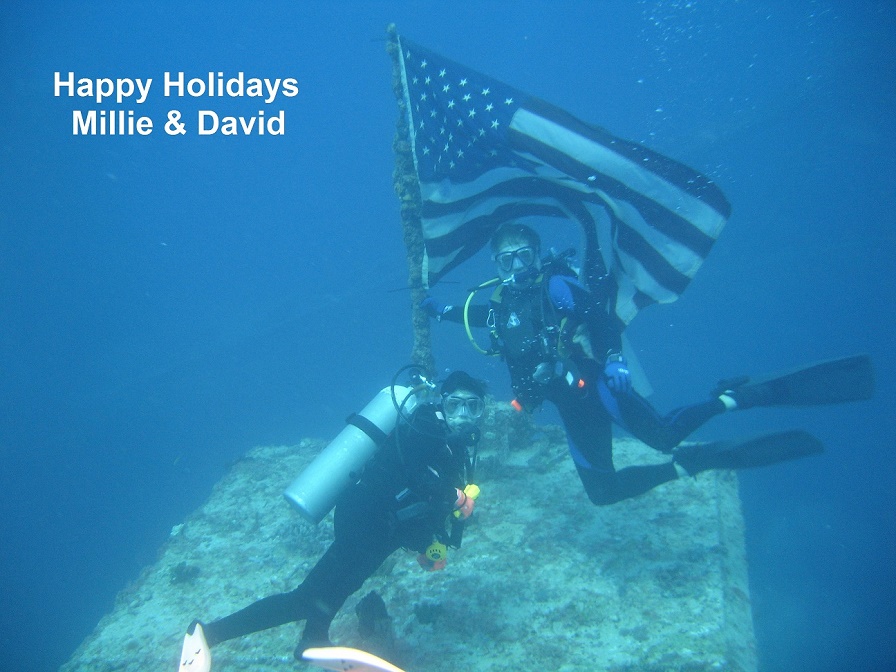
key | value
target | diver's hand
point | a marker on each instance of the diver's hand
(464, 504)
(617, 375)
(472, 492)
(434, 308)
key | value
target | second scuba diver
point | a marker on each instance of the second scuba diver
(415, 493)
(561, 344)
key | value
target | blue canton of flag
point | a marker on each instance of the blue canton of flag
(486, 153)
(460, 123)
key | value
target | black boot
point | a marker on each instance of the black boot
(755, 452)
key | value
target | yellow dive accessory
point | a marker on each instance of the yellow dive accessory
(472, 491)
(434, 558)
(484, 285)
(436, 551)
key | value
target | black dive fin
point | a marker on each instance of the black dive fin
(829, 382)
(760, 451)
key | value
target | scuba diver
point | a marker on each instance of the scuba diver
(562, 344)
(415, 493)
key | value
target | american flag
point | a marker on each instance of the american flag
(486, 153)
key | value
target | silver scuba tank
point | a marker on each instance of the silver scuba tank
(340, 464)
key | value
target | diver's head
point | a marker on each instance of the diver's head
(463, 401)
(516, 250)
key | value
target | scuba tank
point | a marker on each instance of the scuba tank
(315, 491)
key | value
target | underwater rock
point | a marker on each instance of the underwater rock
(544, 581)
(184, 573)
(375, 625)
(373, 618)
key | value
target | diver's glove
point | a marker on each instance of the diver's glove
(465, 503)
(472, 492)
(434, 308)
(617, 375)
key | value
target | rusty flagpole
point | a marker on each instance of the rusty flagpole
(407, 188)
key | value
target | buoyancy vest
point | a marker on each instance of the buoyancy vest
(530, 333)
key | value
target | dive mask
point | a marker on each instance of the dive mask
(456, 406)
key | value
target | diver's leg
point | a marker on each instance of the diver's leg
(322, 592)
(663, 433)
(338, 573)
(364, 539)
(603, 487)
(589, 432)
(266, 613)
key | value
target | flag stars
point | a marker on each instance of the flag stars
(489, 107)
(442, 72)
(463, 82)
(427, 81)
(423, 63)
(508, 101)
(495, 124)
(486, 91)
(445, 88)
(466, 98)
(472, 114)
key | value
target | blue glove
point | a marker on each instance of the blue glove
(617, 375)
(433, 307)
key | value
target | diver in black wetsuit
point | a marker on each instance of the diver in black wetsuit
(413, 485)
(562, 345)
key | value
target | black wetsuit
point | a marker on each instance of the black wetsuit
(402, 501)
(558, 322)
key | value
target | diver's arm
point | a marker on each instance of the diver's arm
(477, 314)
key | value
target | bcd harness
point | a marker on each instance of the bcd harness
(527, 331)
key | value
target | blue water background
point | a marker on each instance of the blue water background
(167, 303)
